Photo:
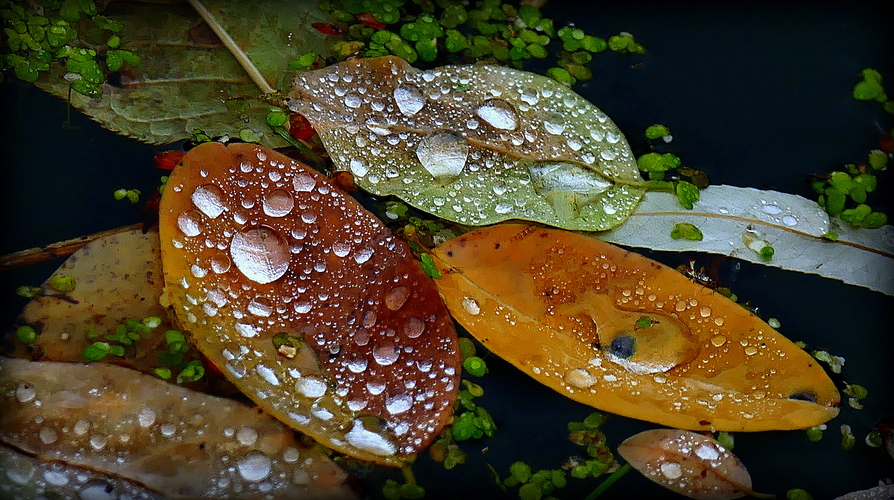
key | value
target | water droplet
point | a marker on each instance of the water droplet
(718, 321)
(247, 435)
(357, 365)
(554, 124)
(260, 306)
(48, 435)
(680, 306)
(303, 307)
(443, 155)
(705, 311)
(310, 387)
(341, 248)
(363, 255)
(188, 222)
(146, 416)
(414, 327)
(81, 427)
(255, 467)
(718, 340)
(503, 208)
(261, 254)
(369, 441)
(267, 374)
(751, 350)
(580, 378)
(99, 491)
(167, 430)
(788, 220)
(385, 353)
(98, 441)
(209, 199)
(25, 393)
(706, 451)
(398, 404)
(353, 101)
(471, 306)
(771, 209)
(220, 263)
(409, 99)
(530, 96)
(396, 298)
(278, 203)
(499, 114)
(304, 183)
(56, 478)
(671, 470)
(291, 455)
(246, 330)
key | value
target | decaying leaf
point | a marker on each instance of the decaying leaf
(731, 218)
(172, 440)
(689, 463)
(625, 334)
(117, 277)
(185, 70)
(307, 302)
(473, 144)
(26, 478)
(884, 491)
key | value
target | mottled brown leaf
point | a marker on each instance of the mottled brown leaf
(307, 302)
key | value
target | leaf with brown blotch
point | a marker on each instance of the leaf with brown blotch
(172, 440)
(307, 302)
(474, 144)
(691, 464)
(625, 334)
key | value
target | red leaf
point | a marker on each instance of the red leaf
(369, 21)
(167, 160)
(328, 29)
(300, 128)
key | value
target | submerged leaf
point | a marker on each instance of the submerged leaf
(564, 308)
(307, 302)
(730, 217)
(178, 442)
(690, 464)
(473, 144)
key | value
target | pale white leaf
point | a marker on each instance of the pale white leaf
(731, 217)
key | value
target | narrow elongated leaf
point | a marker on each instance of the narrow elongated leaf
(307, 302)
(185, 70)
(690, 464)
(116, 278)
(625, 334)
(473, 144)
(731, 218)
(177, 442)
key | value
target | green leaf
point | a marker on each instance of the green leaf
(520, 471)
(657, 132)
(469, 157)
(71, 10)
(687, 193)
(878, 159)
(475, 366)
(685, 230)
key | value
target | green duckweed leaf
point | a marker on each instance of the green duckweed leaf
(472, 144)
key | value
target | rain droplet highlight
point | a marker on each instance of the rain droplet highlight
(443, 155)
(278, 203)
(209, 200)
(499, 114)
(409, 99)
(261, 254)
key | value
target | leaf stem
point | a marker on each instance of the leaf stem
(230, 44)
(610, 480)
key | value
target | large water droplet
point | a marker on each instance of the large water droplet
(707, 451)
(209, 199)
(398, 404)
(260, 306)
(25, 393)
(554, 124)
(247, 435)
(220, 263)
(278, 203)
(369, 441)
(396, 298)
(261, 254)
(146, 416)
(267, 374)
(357, 365)
(304, 183)
(471, 306)
(255, 467)
(671, 470)
(48, 435)
(385, 353)
(353, 101)
(188, 222)
(310, 387)
(409, 99)
(443, 155)
(341, 248)
(363, 255)
(499, 114)
(414, 327)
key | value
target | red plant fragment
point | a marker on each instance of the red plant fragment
(328, 29)
(167, 160)
(369, 21)
(300, 128)
(886, 143)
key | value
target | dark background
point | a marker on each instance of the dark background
(756, 96)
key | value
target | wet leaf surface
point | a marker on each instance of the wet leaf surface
(175, 441)
(307, 302)
(473, 144)
(691, 464)
(185, 70)
(569, 311)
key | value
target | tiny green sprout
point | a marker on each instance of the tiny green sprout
(152, 321)
(28, 292)
(428, 266)
(856, 391)
(797, 494)
(249, 135)
(173, 336)
(657, 132)
(475, 366)
(685, 230)
(163, 373)
(815, 433)
(847, 438)
(304, 61)
(830, 236)
(773, 322)
(870, 88)
(767, 252)
(26, 334)
(835, 362)
(96, 351)
(132, 195)
(642, 323)
(192, 372)
(520, 471)
(726, 439)
(277, 117)
(687, 193)
(199, 136)
(874, 439)
(62, 283)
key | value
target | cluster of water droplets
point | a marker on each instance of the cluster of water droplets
(454, 140)
(273, 250)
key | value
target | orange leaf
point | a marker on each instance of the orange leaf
(617, 331)
(690, 464)
(308, 303)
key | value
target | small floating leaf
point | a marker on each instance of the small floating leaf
(474, 144)
(307, 302)
(690, 464)
(563, 308)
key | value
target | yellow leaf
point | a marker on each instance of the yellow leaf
(567, 309)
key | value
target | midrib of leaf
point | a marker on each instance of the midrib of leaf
(231, 45)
